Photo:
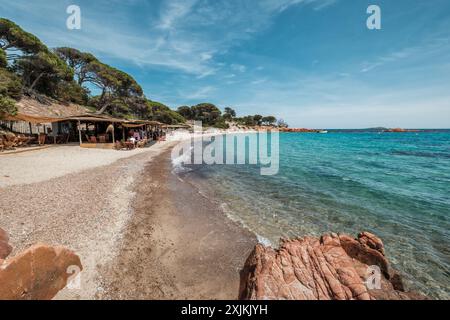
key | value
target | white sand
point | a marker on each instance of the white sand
(75, 197)
(72, 204)
(41, 165)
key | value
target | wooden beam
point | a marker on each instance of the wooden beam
(113, 139)
(79, 132)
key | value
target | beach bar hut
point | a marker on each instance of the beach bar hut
(102, 131)
(96, 131)
(50, 121)
(46, 120)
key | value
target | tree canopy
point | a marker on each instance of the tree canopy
(119, 90)
(229, 114)
(16, 41)
(269, 120)
(28, 67)
(3, 60)
(79, 62)
(40, 69)
(43, 71)
(256, 120)
(160, 112)
(10, 89)
(208, 113)
(186, 112)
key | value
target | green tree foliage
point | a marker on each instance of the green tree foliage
(10, 84)
(269, 120)
(17, 42)
(229, 114)
(79, 62)
(43, 72)
(120, 93)
(113, 84)
(257, 119)
(10, 90)
(208, 113)
(70, 91)
(7, 106)
(160, 112)
(39, 68)
(68, 74)
(186, 112)
(221, 124)
(3, 60)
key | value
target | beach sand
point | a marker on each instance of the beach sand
(140, 232)
(178, 244)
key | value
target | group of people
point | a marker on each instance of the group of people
(136, 136)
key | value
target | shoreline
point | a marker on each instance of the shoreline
(100, 213)
(178, 244)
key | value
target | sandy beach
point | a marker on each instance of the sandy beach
(141, 233)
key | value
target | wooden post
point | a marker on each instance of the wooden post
(79, 131)
(113, 138)
(31, 130)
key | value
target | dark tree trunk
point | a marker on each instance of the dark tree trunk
(103, 109)
(36, 80)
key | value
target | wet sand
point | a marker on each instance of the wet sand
(177, 244)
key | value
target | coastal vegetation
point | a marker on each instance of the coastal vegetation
(210, 115)
(28, 67)
(207, 113)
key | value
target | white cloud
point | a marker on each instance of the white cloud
(173, 11)
(421, 51)
(201, 93)
(176, 37)
(238, 67)
(259, 81)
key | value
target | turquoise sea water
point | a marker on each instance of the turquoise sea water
(396, 185)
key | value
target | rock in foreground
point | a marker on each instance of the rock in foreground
(37, 273)
(335, 267)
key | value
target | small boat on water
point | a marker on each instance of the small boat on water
(322, 131)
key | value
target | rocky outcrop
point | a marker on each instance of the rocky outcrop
(37, 273)
(332, 267)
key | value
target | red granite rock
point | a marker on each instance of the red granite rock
(334, 267)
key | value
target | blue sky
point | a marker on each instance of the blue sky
(313, 63)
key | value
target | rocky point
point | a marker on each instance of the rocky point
(332, 267)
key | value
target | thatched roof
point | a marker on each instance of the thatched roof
(33, 111)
